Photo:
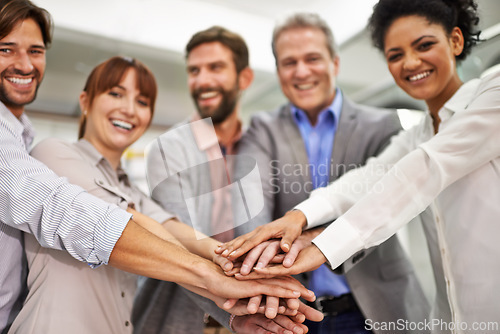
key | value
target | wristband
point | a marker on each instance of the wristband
(231, 319)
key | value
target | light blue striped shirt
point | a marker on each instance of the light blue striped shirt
(33, 199)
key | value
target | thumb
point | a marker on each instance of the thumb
(287, 240)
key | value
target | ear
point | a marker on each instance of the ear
(457, 41)
(336, 63)
(83, 102)
(245, 78)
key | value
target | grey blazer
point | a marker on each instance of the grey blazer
(383, 281)
(165, 307)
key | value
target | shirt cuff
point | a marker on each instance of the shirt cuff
(317, 210)
(338, 242)
(107, 233)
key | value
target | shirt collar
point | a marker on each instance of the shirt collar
(205, 136)
(459, 101)
(462, 96)
(335, 109)
(22, 126)
(96, 159)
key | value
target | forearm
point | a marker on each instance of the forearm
(154, 227)
(196, 242)
(141, 252)
(328, 203)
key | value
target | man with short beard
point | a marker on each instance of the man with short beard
(33, 199)
(218, 72)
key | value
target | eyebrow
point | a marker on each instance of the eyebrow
(36, 46)
(412, 43)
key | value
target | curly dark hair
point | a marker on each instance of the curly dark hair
(447, 13)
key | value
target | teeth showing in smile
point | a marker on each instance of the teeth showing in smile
(419, 76)
(20, 81)
(305, 86)
(122, 124)
(208, 95)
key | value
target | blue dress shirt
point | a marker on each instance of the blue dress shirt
(318, 141)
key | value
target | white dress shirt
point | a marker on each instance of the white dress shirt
(455, 175)
(35, 200)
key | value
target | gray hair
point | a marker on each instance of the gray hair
(304, 20)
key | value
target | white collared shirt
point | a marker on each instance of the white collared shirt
(454, 174)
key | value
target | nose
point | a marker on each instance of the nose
(411, 62)
(302, 70)
(203, 79)
(128, 106)
(23, 63)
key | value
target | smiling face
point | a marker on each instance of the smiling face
(213, 81)
(116, 117)
(306, 70)
(22, 65)
(421, 58)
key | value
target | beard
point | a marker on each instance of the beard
(220, 112)
(10, 97)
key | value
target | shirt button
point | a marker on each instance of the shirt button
(123, 294)
(127, 323)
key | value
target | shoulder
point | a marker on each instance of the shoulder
(51, 147)
(370, 113)
(490, 81)
(270, 118)
(373, 117)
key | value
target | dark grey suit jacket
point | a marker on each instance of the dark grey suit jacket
(383, 281)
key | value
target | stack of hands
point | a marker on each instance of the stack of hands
(270, 255)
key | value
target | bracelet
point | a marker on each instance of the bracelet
(231, 319)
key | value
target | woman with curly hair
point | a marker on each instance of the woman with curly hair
(446, 169)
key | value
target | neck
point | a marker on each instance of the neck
(435, 104)
(313, 114)
(111, 155)
(16, 111)
(113, 159)
(226, 130)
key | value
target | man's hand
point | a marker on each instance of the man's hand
(270, 252)
(269, 306)
(259, 324)
(218, 284)
(308, 259)
(288, 228)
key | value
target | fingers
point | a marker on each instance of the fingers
(254, 304)
(298, 318)
(289, 324)
(282, 287)
(241, 247)
(236, 269)
(227, 248)
(268, 272)
(291, 256)
(223, 262)
(293, 304)
(268, 254)
(252, 257)
(258, 323)
(272, 304)
(310, 313)
(230, 303)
